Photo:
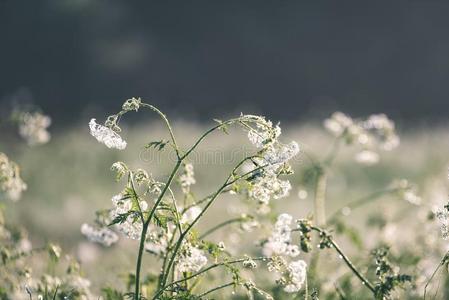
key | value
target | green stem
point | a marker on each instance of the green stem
(215, 195)
(320, 198)
(145, 228)
(218, 226)
(216, 289)
(139, 261)
(346, 260)
(204, 271)
(442, 262)
(167, 123)
(362, 201)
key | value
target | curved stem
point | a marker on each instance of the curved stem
(218, 192)
(442, 262)
(204, 271)
(346, 260)
(218, 226)
(167, 123)
(145, 228)
(320, 198)
(216, 289)
(139, 261)
(362, 201)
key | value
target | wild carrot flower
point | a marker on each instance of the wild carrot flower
(191, 259)
(157, 240)
(33, 128)
(442, 215)
(297, 272)
(269, 186)
(279, 243)
(106, 136)
(132, 104)
(131, 224)
(11, 184)
(190, 214)
(101, 235)
(187, 178)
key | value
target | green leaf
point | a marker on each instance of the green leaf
(120, 218)
(158, 145)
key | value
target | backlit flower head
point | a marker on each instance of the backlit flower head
(101, 235)
(33, 128)
(279, 243)
(11, 184)
(191, 259)
(106, 136)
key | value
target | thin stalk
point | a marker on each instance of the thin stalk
(321, 184)
(364, 200)
(145, 229)
(320, 198)
(218, 226)
(204, 271)
(139, 261)
(167, 123)
(347, 261)
(216, 194)
(216, 289)
(442, 262)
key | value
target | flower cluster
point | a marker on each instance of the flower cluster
(190, 214)
(190, 259)
(271, 162)
(297, 272)
(132, 104)
(279, 243)
(186, 179)
(377, 131)
(101, 235)
(157, 240)
(127, 215)
(442, 214)
(33, 128)
(11, 184)
(406, 191)
(106, 135)
(293, 274)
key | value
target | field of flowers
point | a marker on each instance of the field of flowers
(342, 208)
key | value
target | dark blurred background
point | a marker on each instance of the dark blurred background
(289, 60)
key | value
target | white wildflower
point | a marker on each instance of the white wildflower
(132, 225)
(338, 123)
(106, 136)
(442, 215)
(383, 129)
(157, 240)
(407, 191)
(367, 157)
(376, 130)
(190, 214)
(276, 155)
(132, 104)
(33, 128)
(264, 134)
(120, 169)
(101, 235)
(297, 272)
(279, 243)
(191, 259)
(249, 263)
(269, 186)
(11, 184)
(187, 178)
